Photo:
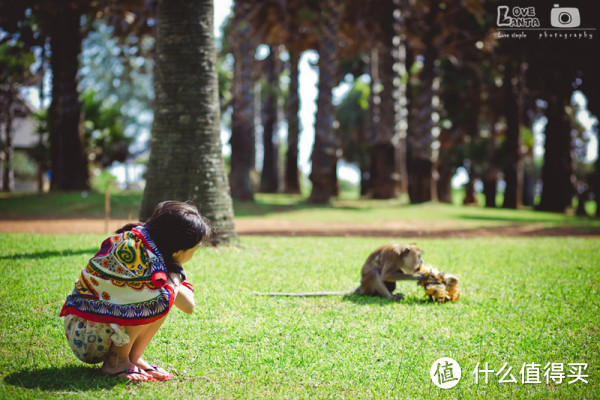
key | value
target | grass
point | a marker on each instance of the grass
(295, 208)
(67, 205)
(533, 300)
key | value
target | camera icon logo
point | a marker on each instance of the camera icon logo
(564, 17)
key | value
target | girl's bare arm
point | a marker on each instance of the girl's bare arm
(184, 297)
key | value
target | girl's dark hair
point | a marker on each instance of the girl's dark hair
(174, 226)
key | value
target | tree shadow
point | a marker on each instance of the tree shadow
(510, 218)
(49, 254)
(266, 206)
(67, 378)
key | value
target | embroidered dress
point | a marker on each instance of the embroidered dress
(123, 284)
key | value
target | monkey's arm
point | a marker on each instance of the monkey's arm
(380, 287)
(393, 276)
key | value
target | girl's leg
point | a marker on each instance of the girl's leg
(117, 360)
(139, 346)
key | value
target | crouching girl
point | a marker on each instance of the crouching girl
(127, 289)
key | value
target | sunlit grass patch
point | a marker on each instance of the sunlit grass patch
(523, 301)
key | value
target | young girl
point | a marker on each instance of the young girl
(127, 289)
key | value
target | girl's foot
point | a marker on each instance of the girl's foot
(126, 370)
(156, 372)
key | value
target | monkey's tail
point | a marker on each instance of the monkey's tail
(306, 294)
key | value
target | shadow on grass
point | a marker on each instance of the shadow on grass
(67, 378)
(540, 217)
(275, 204)
(380, 301)
(49, 254)
(265, 207)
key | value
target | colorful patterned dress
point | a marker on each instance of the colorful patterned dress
(124, 284)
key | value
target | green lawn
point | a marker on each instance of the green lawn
(296, 208)
(523, 301)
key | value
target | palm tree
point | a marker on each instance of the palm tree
(385, 140)
(513, 109)
(186, 161)
(242, 120)
(590, 85)
(292, 108)
(551, 77)
(433, 31)
(269, 179)
(61, 23)
(326, 147)
(295, 43)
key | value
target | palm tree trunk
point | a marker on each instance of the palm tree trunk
(326, 147)
(242, 120)
(591, 82)
(269, 178)
(513, 171)
(7, 100)
(384, 153)
(186, 161)
(69, 162)
(594, 107)
(446, 168)
(490, 175)
(557, 172)
(292, 174)
(422, 158)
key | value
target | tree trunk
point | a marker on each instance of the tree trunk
(529, 179)
(292, 174)
(242, 140)
(490, 174)
(470, 194)
(490, 185)
(186, 161)
(384, 136)
(325, 152)
(422, 159)
(513, 169)
(68, 159)
(557, 172)
(269, 177)
(8, 149)
(444, 184)
(446, 166)
(591, 82)
(384, 182)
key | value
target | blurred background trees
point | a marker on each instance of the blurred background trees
(431, 91)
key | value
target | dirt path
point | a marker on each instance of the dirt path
(259, 226)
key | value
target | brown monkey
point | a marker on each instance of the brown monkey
(381, 270)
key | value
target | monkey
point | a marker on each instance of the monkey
(380, 272)
(439, 286)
